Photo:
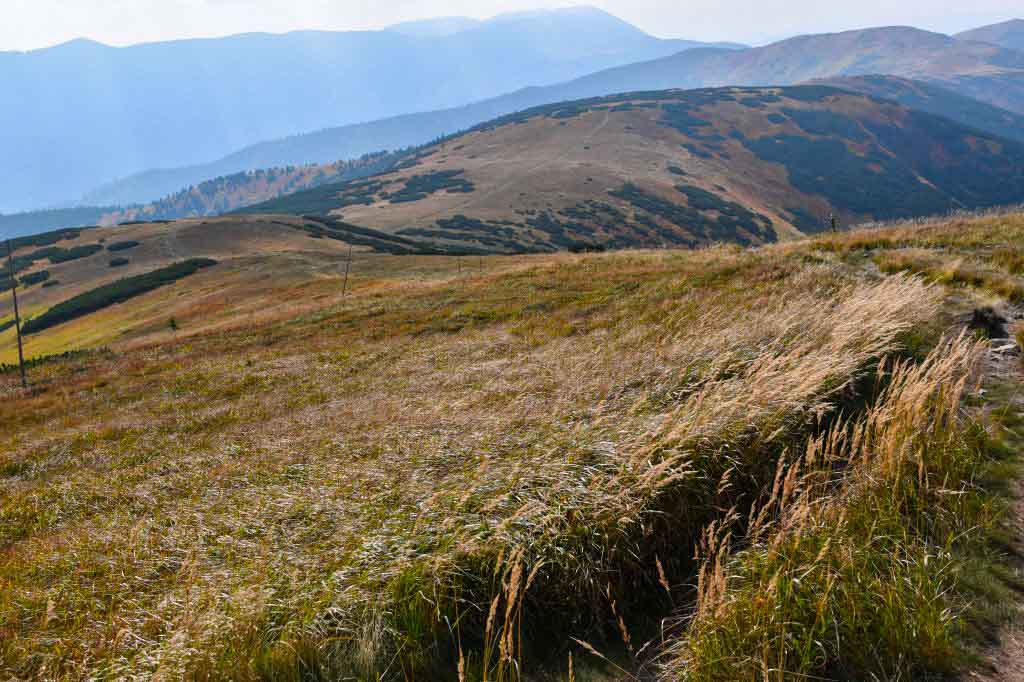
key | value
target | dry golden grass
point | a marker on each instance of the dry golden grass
(847, 568)
(437, 473)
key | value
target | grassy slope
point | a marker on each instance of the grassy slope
(241, 245)
(556, 176)
(228, 193)
(486, 462)
(936, 99)
(891, 568)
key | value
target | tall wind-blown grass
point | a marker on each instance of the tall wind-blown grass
(423, 480)
(848, 569)
(564, 538)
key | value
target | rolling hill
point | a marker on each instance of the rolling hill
(983, 72)
(33, 222)
(415, 129)
(1008, 34)
(69, 264)
(208, 198)
(986, 72)
(232, 192)
(681, 168)
(938, 100)
(185, 102)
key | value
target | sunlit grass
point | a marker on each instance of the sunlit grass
(296, 484)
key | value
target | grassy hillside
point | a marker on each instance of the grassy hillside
(982, 71)
(83, 271)
(1008, 34)
(148, 247)
(938, 100)
(282, 496)
(680, 168)
(228, 193)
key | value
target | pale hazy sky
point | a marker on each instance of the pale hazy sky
(29, 24)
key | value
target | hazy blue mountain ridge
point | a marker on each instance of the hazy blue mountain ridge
(80, 114)
(903, 52)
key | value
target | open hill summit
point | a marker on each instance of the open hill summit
(680, 168)
(436, 467)
(746, 166)
(238, 190)
(938, 100)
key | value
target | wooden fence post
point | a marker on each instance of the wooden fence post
(348, 265)
(17, 315)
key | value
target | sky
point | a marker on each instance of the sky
(32, 24)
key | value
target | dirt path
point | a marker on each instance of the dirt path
(504, 187)
(1005, 662)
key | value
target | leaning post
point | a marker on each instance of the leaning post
(17, 315)
(348, 265)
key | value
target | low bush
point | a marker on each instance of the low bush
(694, 219)
(421, 186)
(35, 277)
(53, 358)
(115, 292)
(122, 246)
(64, 255)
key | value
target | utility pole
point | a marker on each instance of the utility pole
(348, 265)
(17, 316)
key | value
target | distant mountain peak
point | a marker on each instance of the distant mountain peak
(573, 10)
(1006, 34)
(588, 12)
(75, 44)
(435, 28)
(1009, 23)
(876, 34)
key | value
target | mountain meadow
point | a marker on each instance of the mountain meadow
(680, 168)
(717, 464)
(525, 349)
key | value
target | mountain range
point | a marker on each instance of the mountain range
(82, 113)
(668, 168)
(974, 78)
(673, 167)
(237, 190)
